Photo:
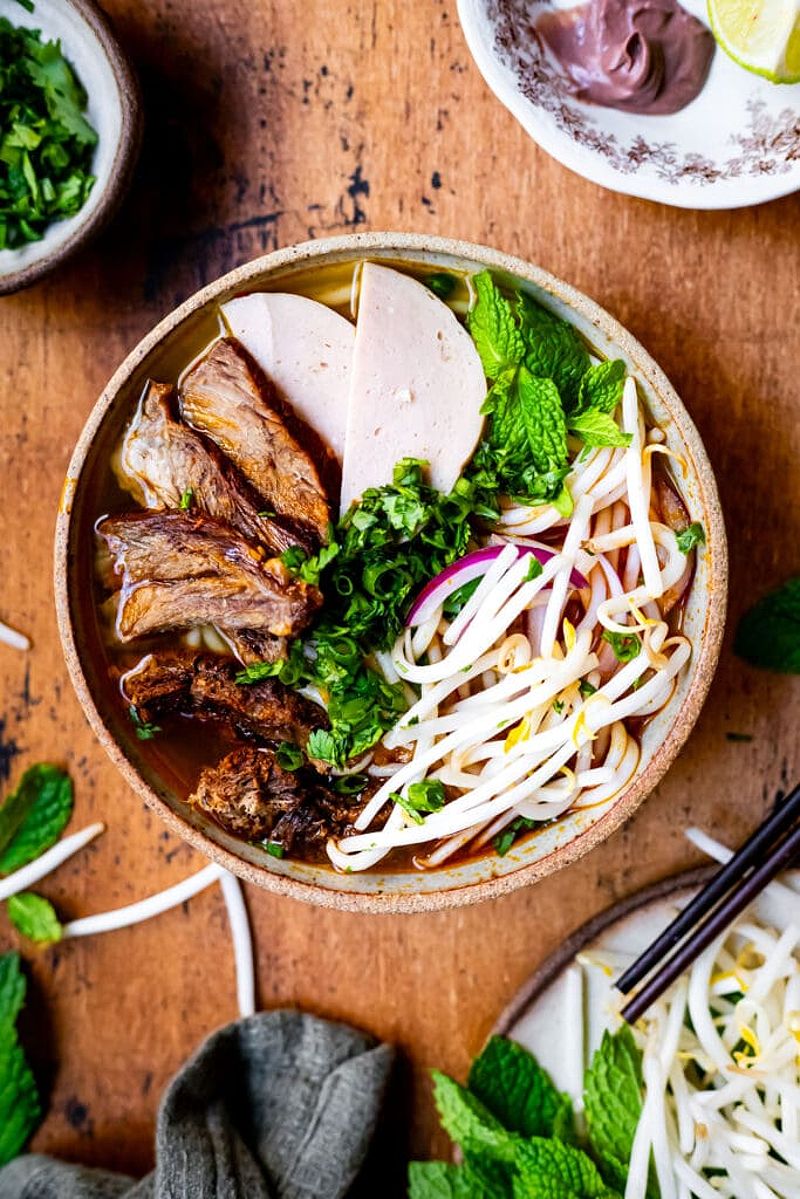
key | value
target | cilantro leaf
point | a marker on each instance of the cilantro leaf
(596, 428)
(694, 534)
(145, 730)
(553, 349)
(20, 1110)
(47, 795)
(612, 1097)
(549, 1169)
(46, 143)
(470, 1123)
(769, 634)
(601, 387)
(494, 329)
(289, 756)
(513, 1086)
(34, 917)
(626, 646)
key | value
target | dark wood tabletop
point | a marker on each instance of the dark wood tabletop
(269, 123)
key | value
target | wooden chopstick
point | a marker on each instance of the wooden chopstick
(732, 906)
(731, 873)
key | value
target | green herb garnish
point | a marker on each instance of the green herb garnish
(586, 688)
(46, 143)
(350, 784)
(693, 535)
(425, 796)
(626, 646)
(289, 756)
(186, 499)
(505, 839)
(275, 849)
(34, 917)
(441, 284)
(769, 634)
(34, 816)
(517, 1133)
(20, 1110)
(145, 731)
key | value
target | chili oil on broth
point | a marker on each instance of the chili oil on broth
(186, 744)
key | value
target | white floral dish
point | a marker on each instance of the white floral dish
(737, 144)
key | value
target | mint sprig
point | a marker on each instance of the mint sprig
(612, 1096)
(20, 1110)
(43, 799)
(34, 917)
(515, 1088)
(769, 634)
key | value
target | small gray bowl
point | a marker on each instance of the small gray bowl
(115, 111)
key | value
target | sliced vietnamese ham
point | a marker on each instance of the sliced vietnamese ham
(417, 386)
(305, 349)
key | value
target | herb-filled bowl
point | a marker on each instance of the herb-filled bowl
(71, 132)
(391, 572)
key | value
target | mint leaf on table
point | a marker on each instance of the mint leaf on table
(513, 1086)
(612, 1096)
(20, 1110)
(693, 535)
(46, 793)
(550, 1169)
(596, 428)
(769, 634)
(470, 1124)
(34, 917)
(553, 349)
(442, 1180)
(494, 329)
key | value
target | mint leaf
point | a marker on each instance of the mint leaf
(769, 634)
(601, 386)
(20, 1110)
(596, 428)
(553, 349)
(694, 534)
(47, 794)
(12, 989)
(612, 1095)
(441, 1180)
(493, 327)
(470, 1124)
(527, 435)
(12, 814)
(549, 1169)
(513, 1086)
(34, 917)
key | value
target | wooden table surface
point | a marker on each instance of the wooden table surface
(269, 123)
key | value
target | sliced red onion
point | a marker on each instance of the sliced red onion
(470, 567)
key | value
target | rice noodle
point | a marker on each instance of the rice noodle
(517, 711)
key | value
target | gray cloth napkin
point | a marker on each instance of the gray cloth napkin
(278, 1106)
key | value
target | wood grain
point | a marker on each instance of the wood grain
(269, 123)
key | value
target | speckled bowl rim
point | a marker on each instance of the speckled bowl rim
(707, 649)
(122, 167)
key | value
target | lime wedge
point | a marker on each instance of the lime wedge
(763, 36)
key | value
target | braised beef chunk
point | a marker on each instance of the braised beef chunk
(254, 645)
(164, 463)
(252, 797)
(181, 569)
(193, 682)
(227, 397)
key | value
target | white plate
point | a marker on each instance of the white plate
(737, 144)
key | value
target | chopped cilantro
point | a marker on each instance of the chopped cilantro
(350, 784)
(586, 688)
(558, 706)
(626, 646)
(504, 840)
(425, 796)
(694, 534)
(46, 143)
(275, 849)
(145, 731)
(456, 601)
(289, 756)
(535, 568)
